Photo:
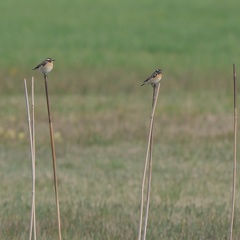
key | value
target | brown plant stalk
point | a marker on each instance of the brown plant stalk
(235, 152)
(148, 165)
(53, 158)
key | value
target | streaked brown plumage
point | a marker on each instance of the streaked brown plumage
(154, 78)
(45, 66)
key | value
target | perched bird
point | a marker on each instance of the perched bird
(154, 78)
(45, 66)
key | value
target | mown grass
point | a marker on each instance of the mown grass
(104, 50)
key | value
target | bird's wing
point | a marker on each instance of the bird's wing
(43, 63)
(154, 75)
(37, 67)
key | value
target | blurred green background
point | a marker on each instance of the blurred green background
(104, 50)
(190, 41)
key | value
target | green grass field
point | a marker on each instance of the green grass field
(104, 50)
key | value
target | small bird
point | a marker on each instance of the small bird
(154, 78)
(45, 66)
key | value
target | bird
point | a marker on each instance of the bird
(154, 78)
(45, 66)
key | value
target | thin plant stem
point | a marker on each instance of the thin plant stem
(235, 152)
(34, 164)
(142, 199)
(53, 159)
(146, 164)
(31, 152)
(156, 88)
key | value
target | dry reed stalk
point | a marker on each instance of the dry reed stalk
(156, 89)
(53, 159)
(34, 163)
(148, 164)
(235, 152)
(31, 128)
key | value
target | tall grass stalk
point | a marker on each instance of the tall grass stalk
(235, 152)
(31, 128)
(53, 158)
(34, 163)
(148, 165)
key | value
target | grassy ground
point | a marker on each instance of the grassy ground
(104, 50)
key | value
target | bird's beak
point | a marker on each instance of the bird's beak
(53, 59)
